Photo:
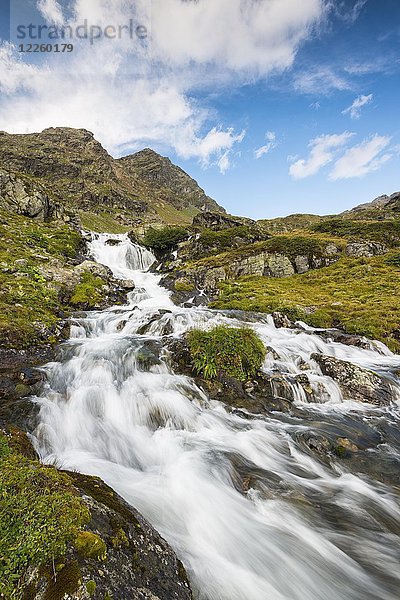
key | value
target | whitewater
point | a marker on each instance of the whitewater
(301, 527)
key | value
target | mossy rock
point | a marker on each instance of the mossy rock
(90, 545)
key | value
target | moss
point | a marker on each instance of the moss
(119, 538)
(233, 352)
(40, 513)
(183, 285)
(91, 587)
(363, 295)
(90, 545)
(108, 596)
(66, 581)
(88, 292)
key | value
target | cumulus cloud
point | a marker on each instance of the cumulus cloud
(270, 136)
(323, 150)
(355, 109)
(131, 93)
(362, 159)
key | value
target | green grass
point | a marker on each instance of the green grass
(173, 216)
(102, 222)
(40, 514)
(29, 303)
(386, 232)
(234, 352)
(362, 294)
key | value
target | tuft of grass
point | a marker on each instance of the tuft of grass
(40, 514)
(361, 294)
(234, 352)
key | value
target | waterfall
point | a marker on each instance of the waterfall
(251, 512)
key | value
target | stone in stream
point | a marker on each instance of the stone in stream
(356, 383)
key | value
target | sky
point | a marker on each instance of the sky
(274, 106)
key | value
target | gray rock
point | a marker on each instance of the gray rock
(24, 197)
(278, 265)
(94, 268)
(367, 249)
(356, 383)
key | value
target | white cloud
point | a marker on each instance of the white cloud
(350, 15)
(270, 136)
(130, 94)
(362, 159)
(321, 80)
(323, 151)
(355, 109)
(243, 36)
(51, 11)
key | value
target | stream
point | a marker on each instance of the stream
(249, 508)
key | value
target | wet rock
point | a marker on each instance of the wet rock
(281, 320)
(113, 242)
(344, 447)
(355, 382)
(127, 284)
(335, 335)
(147, 357)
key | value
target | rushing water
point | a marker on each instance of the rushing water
(250, 510)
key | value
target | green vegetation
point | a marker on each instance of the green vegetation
(233, 352)
(183, 285)
(40, 514)
(90, 545)
(101, 222)
(217, 241)
(88, 292)
(28, 301)
(363, 295)
(166, 238)
(173, 216)
(386, 232)
(91, 587)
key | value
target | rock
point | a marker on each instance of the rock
(23, 196)
(217, 221)
(302, 264)
(344, 447)
(335, 335)
(94, 268)
(127, 284)
(278, 265)
(356, 383)
(281, 320)
(113, 242)
(367, 249)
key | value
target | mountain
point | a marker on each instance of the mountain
(79, 174)
(383, 207)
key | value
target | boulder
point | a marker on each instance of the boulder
(94, 268)
(23, 196)
(356, 383)
(217, 221)
(367, 249)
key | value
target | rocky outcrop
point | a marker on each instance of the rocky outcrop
(23, 196)
(367, 249)
(356, 383)
(218, 221)
(168, 181)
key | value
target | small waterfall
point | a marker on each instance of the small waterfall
(252, 513)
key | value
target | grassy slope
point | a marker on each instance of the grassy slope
(28, 302)
(362, 294)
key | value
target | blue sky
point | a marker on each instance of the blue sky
(290, 109)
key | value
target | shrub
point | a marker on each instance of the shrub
(167, 238)
(235, 352)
